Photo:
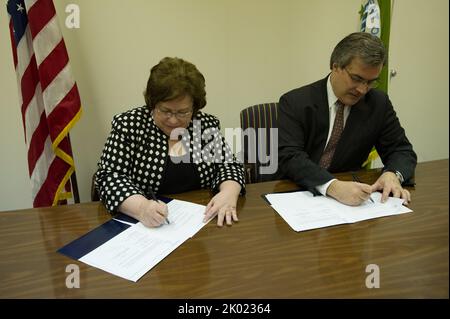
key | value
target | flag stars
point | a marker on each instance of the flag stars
(20, 8)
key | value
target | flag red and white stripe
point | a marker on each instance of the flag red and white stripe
(48, 95)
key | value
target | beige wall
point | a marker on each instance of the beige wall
(419, 54)
(249, 51)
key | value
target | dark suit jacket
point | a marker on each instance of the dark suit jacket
(303, 124)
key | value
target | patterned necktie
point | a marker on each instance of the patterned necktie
(338, 127)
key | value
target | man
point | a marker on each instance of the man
(331, 126)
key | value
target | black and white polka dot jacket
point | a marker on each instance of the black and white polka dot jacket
(135, 155)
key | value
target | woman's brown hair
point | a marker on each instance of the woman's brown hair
(172, 78)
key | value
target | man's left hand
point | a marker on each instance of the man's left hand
(389, 183)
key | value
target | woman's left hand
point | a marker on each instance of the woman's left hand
(223, 204)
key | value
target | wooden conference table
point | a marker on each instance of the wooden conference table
(259, 257)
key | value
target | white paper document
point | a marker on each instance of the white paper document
(136, 250)
(304, 211)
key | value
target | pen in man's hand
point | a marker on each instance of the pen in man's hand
(356, 179)
(150, 191)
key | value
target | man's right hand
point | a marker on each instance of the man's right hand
(349, 193)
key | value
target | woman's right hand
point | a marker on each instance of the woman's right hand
(152, 213)
(149, 212)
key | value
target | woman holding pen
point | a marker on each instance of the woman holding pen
(168, 146)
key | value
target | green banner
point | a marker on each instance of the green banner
(375, 17)
(385, 16)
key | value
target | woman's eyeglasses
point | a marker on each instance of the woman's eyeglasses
(179, 115)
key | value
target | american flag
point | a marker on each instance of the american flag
(48, 96)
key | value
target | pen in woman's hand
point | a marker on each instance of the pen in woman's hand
(356, 179)
(150, 191)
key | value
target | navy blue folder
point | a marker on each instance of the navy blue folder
(95, 238)
(100, 235)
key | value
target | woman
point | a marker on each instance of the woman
(168, 146)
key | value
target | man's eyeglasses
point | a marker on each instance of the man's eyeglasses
(179, 115)
(359, 80)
